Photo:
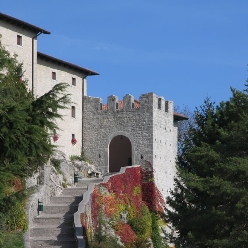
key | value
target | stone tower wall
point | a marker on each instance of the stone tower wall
(164, 144)
(150, 128)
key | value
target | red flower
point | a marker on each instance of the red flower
(74, 141)
(55, 137)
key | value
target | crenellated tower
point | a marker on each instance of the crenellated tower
(129, 131)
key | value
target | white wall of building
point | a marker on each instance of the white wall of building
(69, 125)
(9, 34)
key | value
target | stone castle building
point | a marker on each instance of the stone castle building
(112, 135)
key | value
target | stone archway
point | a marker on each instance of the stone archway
(120, 153)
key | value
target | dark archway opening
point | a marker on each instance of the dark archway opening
(120, 153)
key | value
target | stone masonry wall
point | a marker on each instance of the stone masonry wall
(150, 128)
(100, 126)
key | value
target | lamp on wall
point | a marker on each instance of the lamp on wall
(76, 176)
(40, 205)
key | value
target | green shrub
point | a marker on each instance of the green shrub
(110, 242)
(157, 240)
(11, 239)
(56, 163)
(141, 225)
(142, 243)
(81, 157)
(13, 207)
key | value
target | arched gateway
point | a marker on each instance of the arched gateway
(120, 153)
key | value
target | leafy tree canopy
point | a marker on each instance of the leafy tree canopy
(209, 205)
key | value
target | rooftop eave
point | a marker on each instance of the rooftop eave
(83, 70)
(180, 117)
(23, 24)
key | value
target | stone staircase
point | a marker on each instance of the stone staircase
(54, 226)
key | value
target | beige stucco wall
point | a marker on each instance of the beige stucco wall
(69, 125)
(9, 34)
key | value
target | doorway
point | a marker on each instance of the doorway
(120, 153)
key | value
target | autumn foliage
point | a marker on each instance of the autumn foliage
(124, 195)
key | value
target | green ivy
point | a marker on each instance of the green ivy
(137, 191)
(142, 224)
(157, 240)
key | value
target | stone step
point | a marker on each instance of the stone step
(77, 191)
(54, 226)
(50, 231)
(66, 199)
(60, 209)
(55, 220)
(49, 242)
(87, 181)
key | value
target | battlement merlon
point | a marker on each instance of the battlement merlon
(147, 102)
(128, 102)
(112, 103)
(92, 103)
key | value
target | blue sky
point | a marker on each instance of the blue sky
(181, 50)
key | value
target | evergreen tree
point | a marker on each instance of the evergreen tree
(209, 205)
(26, 123)
(26, 126)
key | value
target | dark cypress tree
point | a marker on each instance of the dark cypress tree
(209, 205)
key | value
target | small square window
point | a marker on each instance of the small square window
(73, 111)
(53, 75)
(19, 40)
(73, 81)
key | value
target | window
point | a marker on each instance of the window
(73, 111)
(73, 136)
(159, 103)
(19, 40)
(166, 106)
(73, 81)
(53, 75)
